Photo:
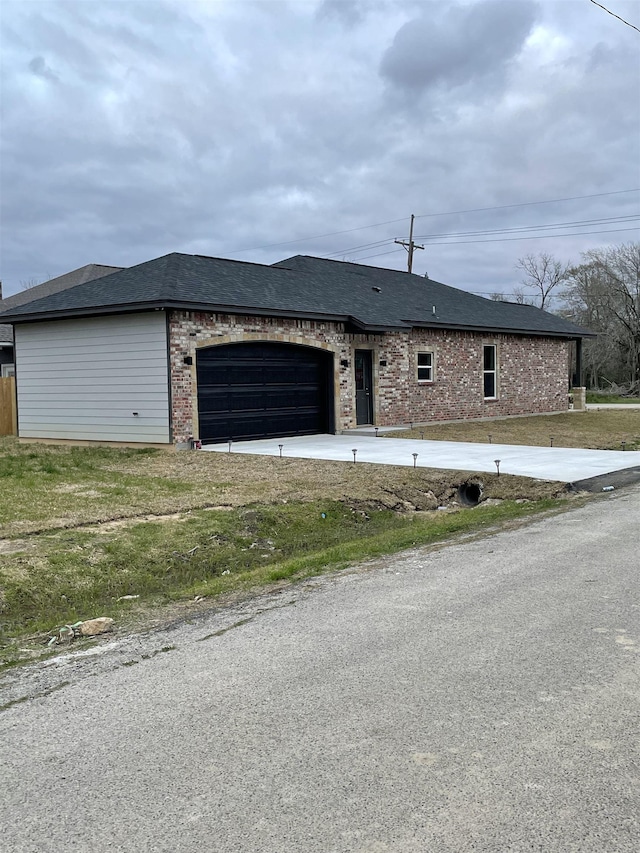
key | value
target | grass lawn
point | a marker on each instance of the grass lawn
(602, 430)
(599, 397)
(82, 527)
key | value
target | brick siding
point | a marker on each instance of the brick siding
(532, 371)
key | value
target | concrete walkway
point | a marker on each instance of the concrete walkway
(563, 464)
(596, 407)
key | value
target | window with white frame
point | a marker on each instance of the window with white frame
(425, 366)
(8, 370)
(490, 372)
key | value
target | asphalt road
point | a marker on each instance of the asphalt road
(481, 697)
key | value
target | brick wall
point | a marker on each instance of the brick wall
(532, 376)
(532, 371)
(189, 331)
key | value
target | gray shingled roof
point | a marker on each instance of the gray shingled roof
(424, 302)
(89, 272)
(370, 298)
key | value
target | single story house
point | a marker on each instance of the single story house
(188, 347)
(89, 272)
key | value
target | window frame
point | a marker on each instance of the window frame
(8, 370)
(431, 367)
(486, 372)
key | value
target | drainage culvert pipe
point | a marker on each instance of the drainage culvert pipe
(469, 493)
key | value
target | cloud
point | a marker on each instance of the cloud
(348, 12)
(219, 127)
(39, 68)
(453, 45)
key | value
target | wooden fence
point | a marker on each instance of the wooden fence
(8, 410)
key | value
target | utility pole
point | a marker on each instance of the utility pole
(410, 245)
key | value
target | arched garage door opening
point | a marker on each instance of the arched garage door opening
(262, 390)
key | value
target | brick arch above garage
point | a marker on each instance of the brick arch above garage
(273, 337)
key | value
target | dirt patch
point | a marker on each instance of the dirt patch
(119, 523)
(75, 489)
(14, 546)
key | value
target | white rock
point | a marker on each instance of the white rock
(91, 627)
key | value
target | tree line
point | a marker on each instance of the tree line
(602, 294)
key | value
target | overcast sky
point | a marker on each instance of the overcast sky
(221, 127)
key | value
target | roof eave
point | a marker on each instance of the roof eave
(222, 308)
(219, 308)
(361, 326)
(507, 330)
(172, 305)
(63, 314)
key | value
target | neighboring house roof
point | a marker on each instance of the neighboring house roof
(89, 272)
(370, 298)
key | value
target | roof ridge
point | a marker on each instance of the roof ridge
(24, 297)
(109, 266)
(88, 267)
(235, 261)
(351, 264)
(173, 262)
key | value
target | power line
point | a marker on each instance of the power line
(602, 221)
(425, 215)
(490, 292)
(536, 237)
(361, 247)
(528, 203)
(610, 220)
(332, 234)
(633, 26)
(509, 240)
(378, 255)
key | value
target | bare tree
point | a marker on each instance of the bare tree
(519, 297)
(603, 294)
(543, 274)
(27, 284)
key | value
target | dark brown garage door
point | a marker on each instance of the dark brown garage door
(257, 390)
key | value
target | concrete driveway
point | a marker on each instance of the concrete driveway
(567, 465)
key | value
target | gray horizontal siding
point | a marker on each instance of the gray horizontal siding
(130, 436)
(147, 399)
(147, 366)
(110, 381)
(84, 379)
(105, 344)
(122, 420)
